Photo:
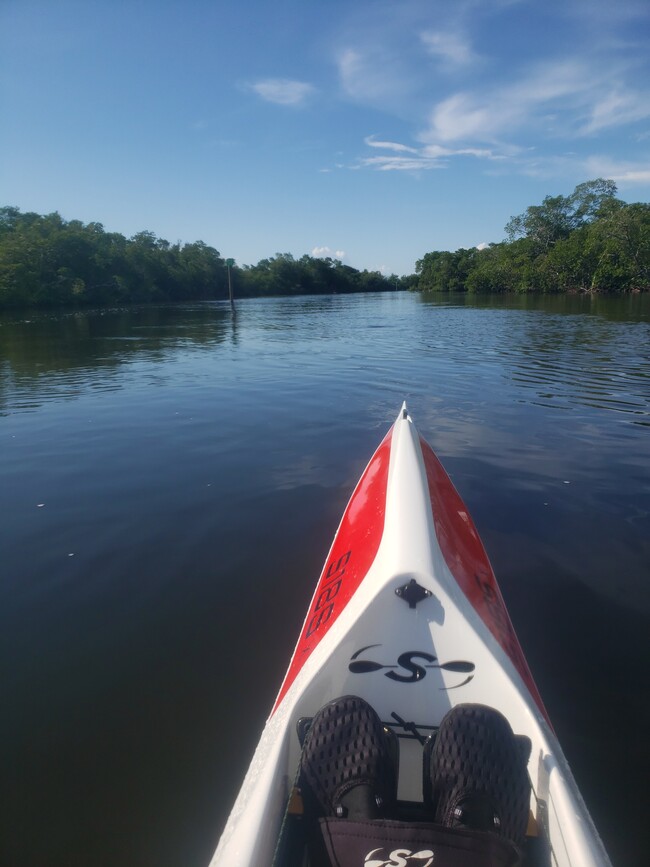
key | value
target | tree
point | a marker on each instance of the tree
(445, 271)
(620, 242)
(590, 199)
(588, 241)
(558, 216)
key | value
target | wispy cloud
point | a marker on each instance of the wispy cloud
(523, 107)
(358, 77)
(567, 100)
(373, 74)
(575, 165)
(372, 142)
(400, 164)
(453, 49)
(283, 91)
(616, 108)
(524, 161)
(402, 157)
(550, 94)
(497, 114)
(623, 172)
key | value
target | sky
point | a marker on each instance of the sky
(373, 131)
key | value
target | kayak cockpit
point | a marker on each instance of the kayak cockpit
(406, 615)
(299, 843)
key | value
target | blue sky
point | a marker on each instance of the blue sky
(370, 130)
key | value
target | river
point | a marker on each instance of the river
(170, 481)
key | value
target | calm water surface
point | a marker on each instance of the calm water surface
(171, 479)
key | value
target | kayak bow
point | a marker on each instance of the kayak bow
(408, 615)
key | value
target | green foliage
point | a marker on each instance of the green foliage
(284, 275)
(46, 261)
(444, 271)
(588, 241)
(558, 216)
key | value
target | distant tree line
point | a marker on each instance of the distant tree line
(589, 241)
(48, 261)
(285, 275)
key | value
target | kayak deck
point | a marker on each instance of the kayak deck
(407, 614)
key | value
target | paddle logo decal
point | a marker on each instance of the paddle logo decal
(399, 858)
(407, 670)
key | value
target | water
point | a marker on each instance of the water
(171, 479)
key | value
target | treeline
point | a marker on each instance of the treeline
(285, 275)
(589, 241)
(48, 261)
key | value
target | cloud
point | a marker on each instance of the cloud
(527, 162)
(389, 145)
(545, 93)
(572, 166)
(400, 164)
(373, 74)
(283, 91)
(327, 252)
(537, 107)
(617, 108)
(406, 158)
(434, 151)
(464, 116)
(452, 48)
(350, 64)
(623, 172)
(358, 79)
(562, 99)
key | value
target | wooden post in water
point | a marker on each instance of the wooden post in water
(229, 265)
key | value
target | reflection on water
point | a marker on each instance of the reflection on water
(559, 357)
(623, 308)
(171, 479)
(48, 357)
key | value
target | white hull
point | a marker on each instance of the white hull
(405, 521)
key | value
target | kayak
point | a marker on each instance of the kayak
(407, 614)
